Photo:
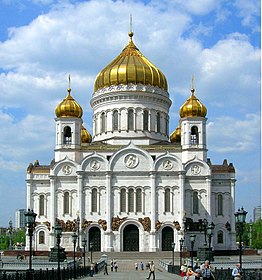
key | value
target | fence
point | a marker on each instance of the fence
(66, 273)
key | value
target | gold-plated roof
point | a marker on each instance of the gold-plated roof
(69, 107)
(85, 135)
(175, 136)
(193, 107)
(130, 66)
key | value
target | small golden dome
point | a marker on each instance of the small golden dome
(85, 135)
(130, 66)
(175, 136)
(69, 108)
(193, 107)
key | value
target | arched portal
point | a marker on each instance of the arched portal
(95, 238)
(167, 238)
(131, 238)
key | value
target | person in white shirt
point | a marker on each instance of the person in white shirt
(151, 271)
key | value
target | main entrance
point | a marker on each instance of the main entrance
(131, 238)
(167, 238)
(95, 238)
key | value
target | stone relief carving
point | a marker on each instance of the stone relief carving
(177, 225)
(131, 161)
(48, 224)
(158, 225)
(116, 222)
(68, 225)
(146, 223)
(167, 164)
(86, 224)
(195, 169)
(94, 165)
(103, 224)
(67, 169)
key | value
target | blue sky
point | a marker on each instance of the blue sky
(43, 41)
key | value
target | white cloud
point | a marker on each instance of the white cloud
(228, 134)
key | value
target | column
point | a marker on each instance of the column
(80, 204)
(209, 198)
(108, 246)
(53, 209)
(153, 243)
(182, 198)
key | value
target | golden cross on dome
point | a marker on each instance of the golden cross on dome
(193, 86)
(69, 84)
(131, 23)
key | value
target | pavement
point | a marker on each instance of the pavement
(126, 272)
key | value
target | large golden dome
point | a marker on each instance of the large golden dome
(130, 66)
(85, 135)
(69, 107)
(193, 107)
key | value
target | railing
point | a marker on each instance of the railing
(66, 273)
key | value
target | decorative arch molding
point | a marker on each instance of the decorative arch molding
(64, 167)
(131, 158)
(168, 162)
(196, 167)
(131, 222)
(94, 162)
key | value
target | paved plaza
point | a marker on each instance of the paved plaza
(126, 270)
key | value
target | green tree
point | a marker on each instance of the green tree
(257, 234)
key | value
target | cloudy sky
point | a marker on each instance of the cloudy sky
(43, 41)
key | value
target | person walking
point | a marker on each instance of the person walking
(141, 266)
(112, 266)
(105, 269)
(136, 266)
(206, 271)
(151, 271)
(92, 267)
(237, 272)
(115, 266)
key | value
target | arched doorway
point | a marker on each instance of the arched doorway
(95, 238)
(131, 238)
(167, 238)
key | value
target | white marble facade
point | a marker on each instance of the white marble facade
(131, 187)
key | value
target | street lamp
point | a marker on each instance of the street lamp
(78, 227)
(181, 242)
(210, 233)
(74, 238)
(192, 240)
(173, 254)
(84, 241)
(30, 223)
(205, 225)
(240, 216)
(91, 250)
(58, 234)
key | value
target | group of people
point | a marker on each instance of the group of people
(141, 266)
(206, 272)
(203, 272)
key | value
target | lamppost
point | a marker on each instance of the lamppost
(74, 238)
(205, 224)
(58, 234)
(30, 223)
(181, 242)
(78, 227)
(173, 253)
(210, 233)
(192, 240)
(91, 250)
(240, 216)
(84, 241)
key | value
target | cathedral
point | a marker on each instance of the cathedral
(131, 185)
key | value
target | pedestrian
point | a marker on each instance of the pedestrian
(112, 266)
(115, 266)
(105, 269)
(197, 275)
(151, 271)
(206, 271)
(92, 267)
(141, 266)
(136, 266)
(237, 272)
